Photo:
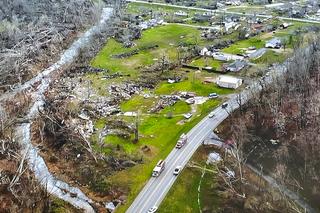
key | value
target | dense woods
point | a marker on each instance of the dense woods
(278, 131)
(32, 33)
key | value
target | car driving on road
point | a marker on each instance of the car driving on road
(224, 105)
(211, 115)
(152, 209)
(177, 170)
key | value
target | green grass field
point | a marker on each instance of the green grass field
(194, 83)
(138, 102)
(135, 7)
(238, 47)
(167, 37)
(271, 57)
(183, 196)
(209, 61)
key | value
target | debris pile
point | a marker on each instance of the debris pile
(165, 100)
(124, 91)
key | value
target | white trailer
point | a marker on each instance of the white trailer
(159, 168)
(182, 141)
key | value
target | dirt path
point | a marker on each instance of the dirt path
(23, 131)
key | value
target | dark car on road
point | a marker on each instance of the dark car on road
(224, 105)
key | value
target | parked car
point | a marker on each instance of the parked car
(187, 115)
(177, 170)
(153, 209)
(211, 115)
(213, 95)
(224, 105)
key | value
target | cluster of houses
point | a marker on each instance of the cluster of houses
(298, 9)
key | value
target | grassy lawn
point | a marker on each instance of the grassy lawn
(179, 108)
(135, 7)
(168, 37)
(209, 61)
(248, 9)
(237, 47)
(193, 83)
(138, 102)
(259, 41)
(271, 57)
(183, 196)
(154, 132)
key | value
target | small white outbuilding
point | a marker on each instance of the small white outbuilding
(231, 82)
(213, 158)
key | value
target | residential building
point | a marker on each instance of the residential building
(231, 82)
(236, 66)
(273, 43)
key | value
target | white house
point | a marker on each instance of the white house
(229, 82)
(181, 13)
(205, 52)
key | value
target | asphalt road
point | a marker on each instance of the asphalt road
(157, 187)
(226, 12)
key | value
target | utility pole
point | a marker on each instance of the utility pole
(136, 131)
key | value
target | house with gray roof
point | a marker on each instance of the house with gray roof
(258, 53)
(236, 66)
(274, 43)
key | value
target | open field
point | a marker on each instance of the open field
(166, 37)
(193, 83)
(248, 9)
(238, 47)
(208, 62)
(183, 196)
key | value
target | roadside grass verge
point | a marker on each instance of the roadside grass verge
(270, 57)
(247, 9)
(183, 195)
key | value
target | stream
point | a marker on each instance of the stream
(36, 163)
